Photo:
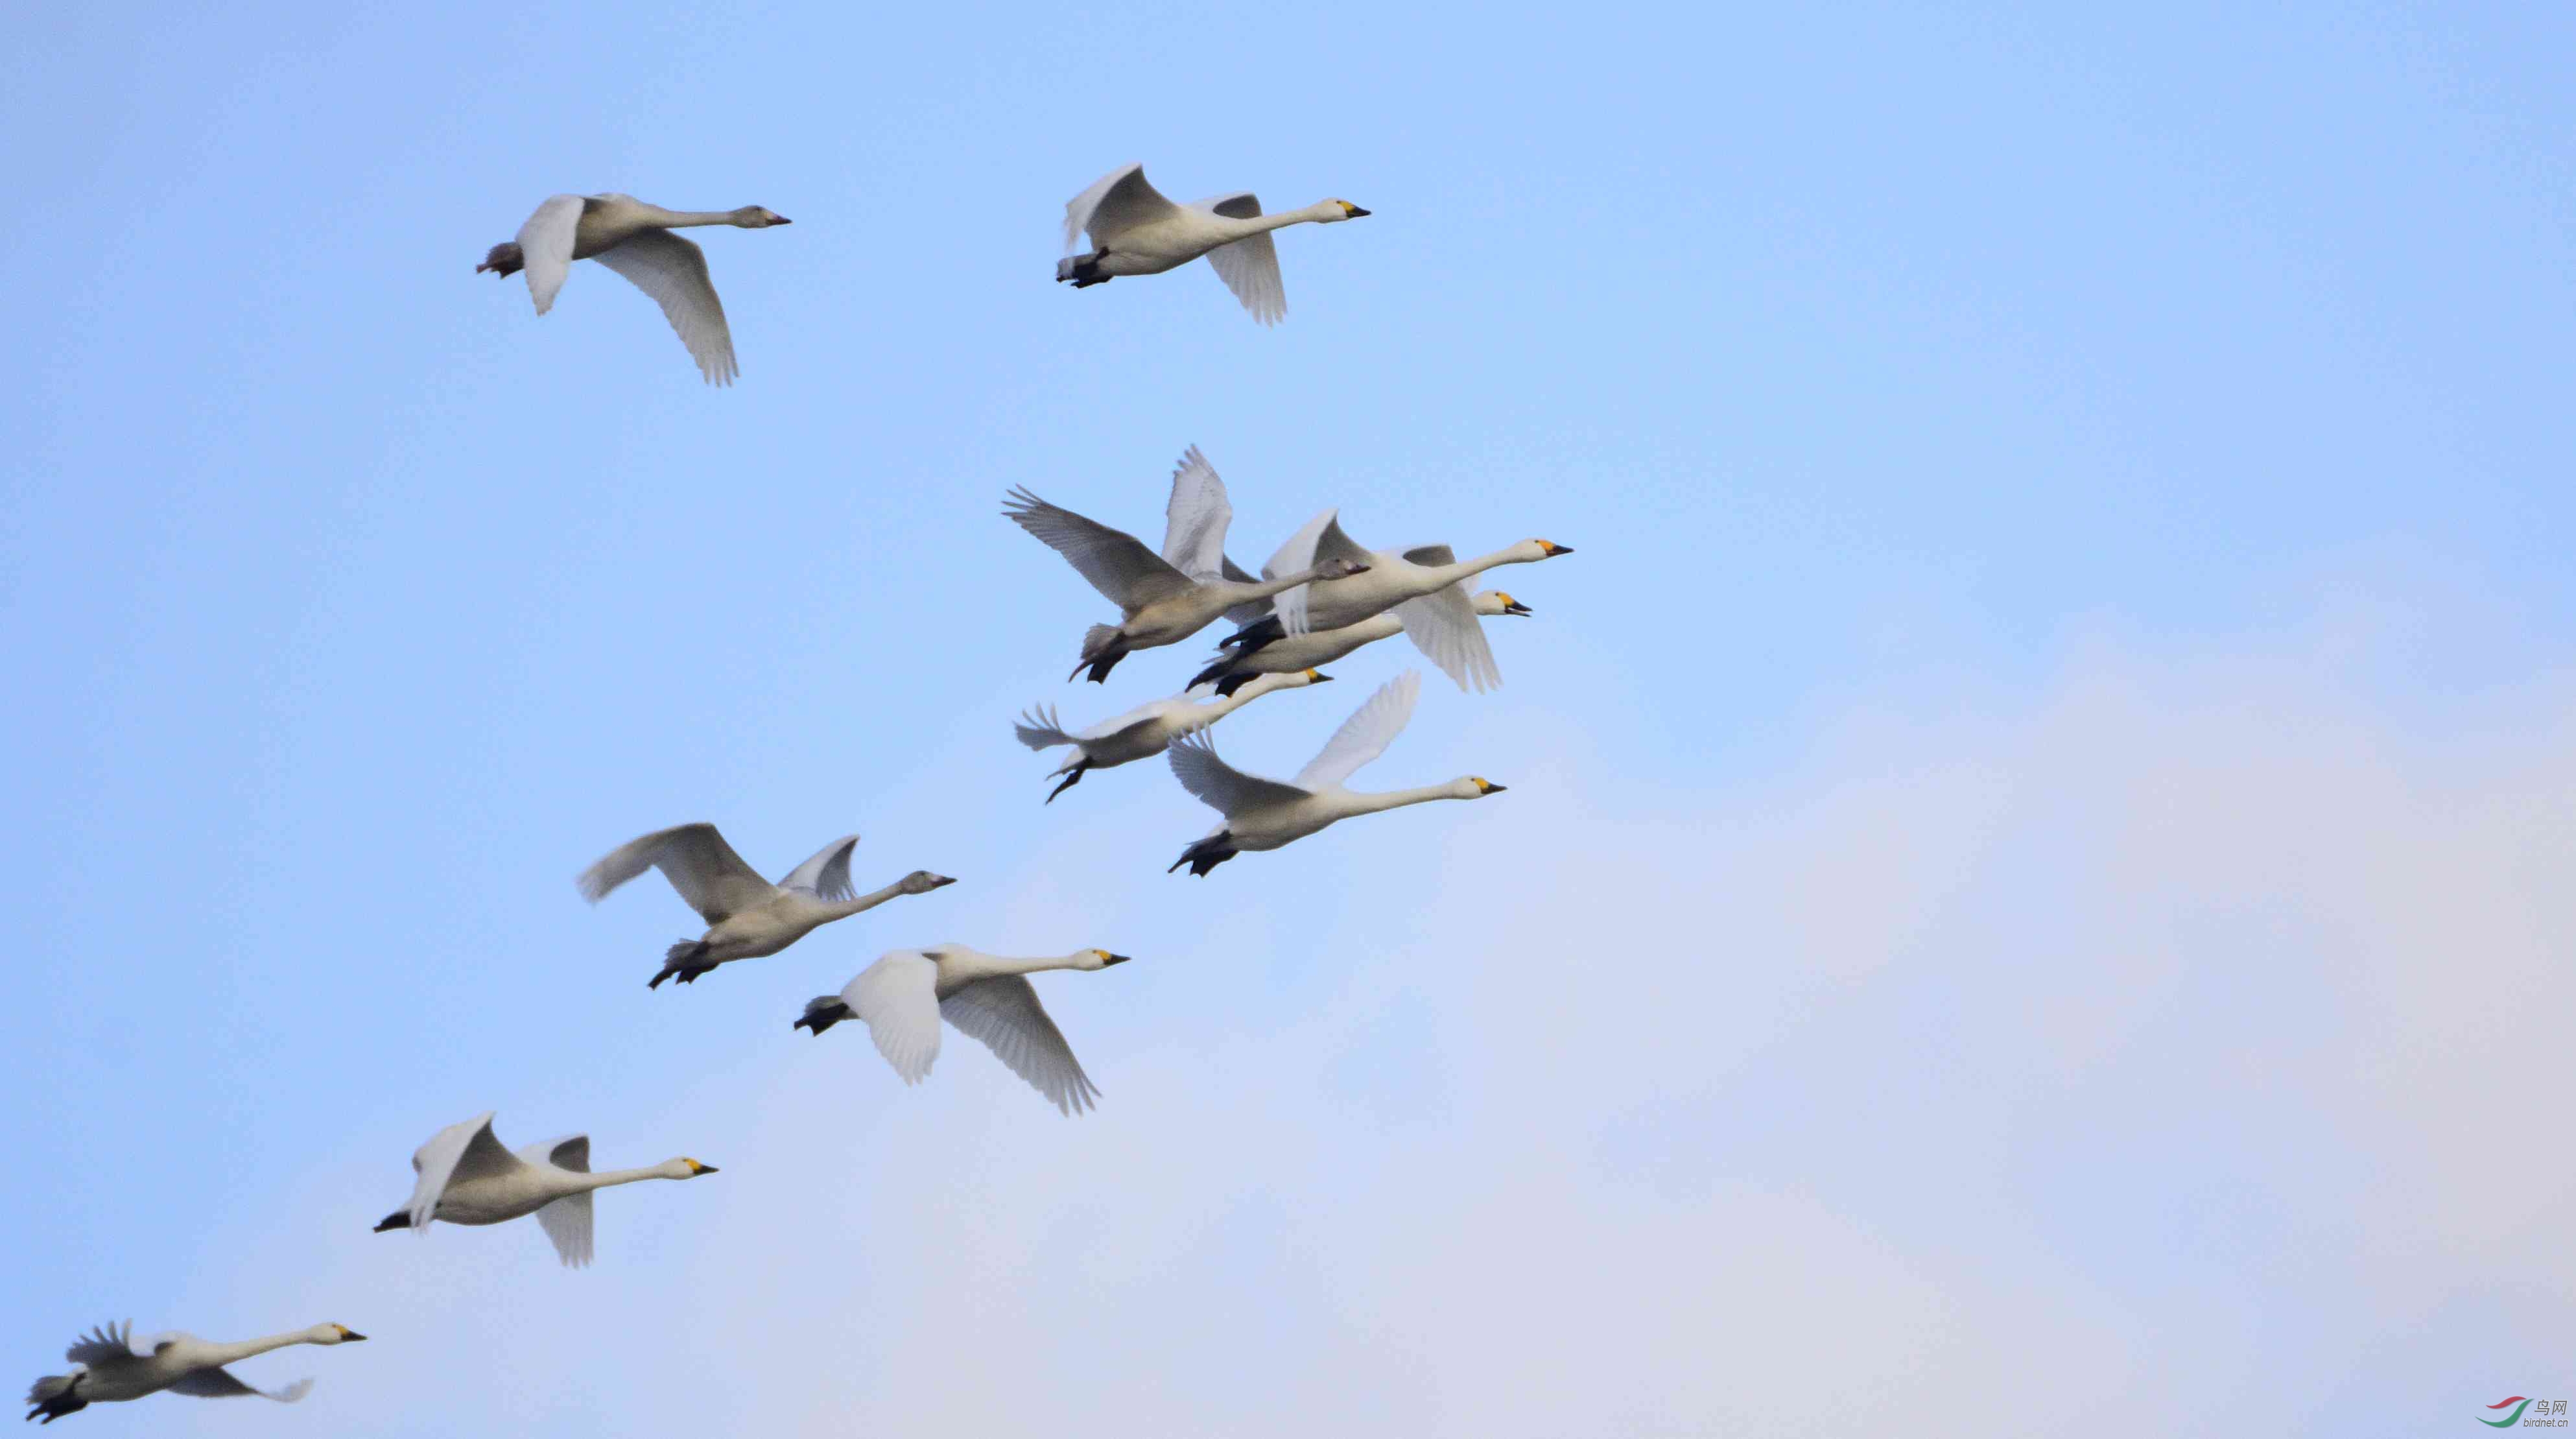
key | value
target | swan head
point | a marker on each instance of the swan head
(686, 1169)
(1495, 602)
(332, 1334)
(1340, 569)
(504, 259)
(922, 881)
(759, 217)
(1475, 786)
(1096, 959)
(1336, 211)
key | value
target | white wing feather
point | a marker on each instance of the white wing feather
(697, 862)
(1443, 625)
(1220, 786)
(1116, 563)
(898, 996)
(220, 1384)
(1195, 521)
(461, 1151)
(1365, 735)
(1004, 1013)
(111, 1343)
(1249, 266)
(545, 247)
(1116, 202)
(673, 270)
(567, 1220)
(827, 874)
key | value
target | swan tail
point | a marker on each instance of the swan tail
(821, 1013)
(1206, 854)
(54, 1396)
(681, 962)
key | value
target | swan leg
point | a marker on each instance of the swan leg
(1072, 778)
(1083, 270)
(399, 1219)
(1206, 854)
(55, 1396)
(681, 963)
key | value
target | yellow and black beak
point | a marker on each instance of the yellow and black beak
(1514, 607)
(351, 1336)
(1108, 960)
(1553, 550)
(1356, 212)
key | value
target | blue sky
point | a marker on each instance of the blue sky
(2033, 881)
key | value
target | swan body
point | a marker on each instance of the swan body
(907, 992)
(466, 1177)
(1166, 598)
(747, 916)
(1425, 587)
(114, 1364)
(1145, 730)
(1287, 654)
(1135, 231)
(635, 240)
(1266, 814)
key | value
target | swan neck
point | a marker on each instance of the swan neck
(685, 219)
(844, 908)
(1461, 570)
(245, 1348)
(1397, 798)
(608, 1178)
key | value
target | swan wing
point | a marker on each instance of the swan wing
(545, 247)
(898, 996)
(1041, 728)
(1116, 203)
(1195, 521)
(697, 862)
(1003, 1012)
(570, 1151)
(1143, 714)
(111, 1343)
(1250, 611)
(673, 270)
(218, 1383)
(827, 874)
(1249, 266)
(1220, 786)
(1432, 555)
(1365, 735)
(1443, 625)
(1117, 563)
(1318, 540)
(460, 1152)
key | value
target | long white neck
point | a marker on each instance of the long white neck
(1224, 705)
(1355, 803)
(243, 1349)
(1511, 555)
(1261, 224)
(843, 908)
(1243, 590)
(683, 219)
(608, 1177)
(959, 966)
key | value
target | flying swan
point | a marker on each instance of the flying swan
(903, 996)
(1162, 599)
(1234, 668)
(1135, 231)
(1265, 814)
(747, 916)
(1144, 731)
(115, 1365)
(635, 240)
(466, 1177)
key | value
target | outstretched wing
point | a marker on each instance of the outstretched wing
(1443, 625)
(220, 1384)
(697, 862)
(108, 1344)
(1220, 786)
(1194, 522)
(1318, 540)
(1250, 611)
(460, 1152)
(1365, 735)
(673, 270)
(1117, 202)
(1116, 562)
(545, 247)
(1249, 266)
(898, 996)
(1004, 1013)
(827, 874)
(566, 1220)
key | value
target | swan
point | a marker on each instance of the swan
(1424, 586)
(903, 996)
(1135, 231)
(466, 1177)
(1265, 814)
(1234, 669)
(747, 916)
(1143, 731)
(1162, 599)
(115, 1365)
(635, 240)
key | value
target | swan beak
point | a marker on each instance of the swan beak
(695, 1168)
(1554, 550)
(940, 881)
(1115, 959)
(1318, 677)
(1493, 788)
(782, 220)
(1356, 212)
(1515, 607)
(351, 1336)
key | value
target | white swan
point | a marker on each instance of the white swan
(1425, 586)
(746, 916)
(1143, 731)
(903, 996)
(115, 1365)
(635, 240)
(466, 1177)
(1265, 814)
(1166, 598)
(1135, 231)
(1234, 668)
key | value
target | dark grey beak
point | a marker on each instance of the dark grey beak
(782, 220)
(1115, 959)
(1516, 608)
(704, 1169)
(1358, 214)
(352, 1337)
(1493, 788)
(1554, 550)
(1320, 678)
(940, 881)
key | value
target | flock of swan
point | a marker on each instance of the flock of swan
(1318, 599)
